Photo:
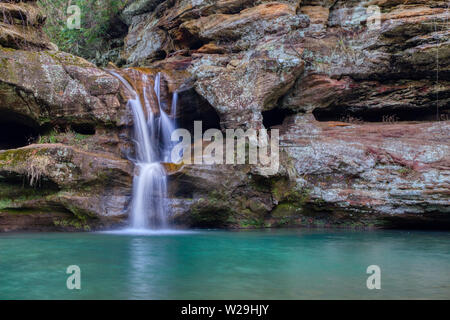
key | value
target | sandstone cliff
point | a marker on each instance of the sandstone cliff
(362, 110)
(63, 126)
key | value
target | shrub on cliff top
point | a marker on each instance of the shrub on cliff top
(94, 35)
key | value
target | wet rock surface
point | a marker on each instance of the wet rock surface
(362, 109)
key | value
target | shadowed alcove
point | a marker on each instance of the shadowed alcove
(275, 116)
(16, 130)
(193, 107)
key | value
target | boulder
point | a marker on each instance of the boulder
(58, 86)
(82, 188)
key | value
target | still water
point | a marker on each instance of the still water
(270, 264)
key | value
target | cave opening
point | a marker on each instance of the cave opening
(276, 117)
(17, 131)
(186, 40)
(16, 183)
(116, 29)
(430, 221)
(160, 55)
(84, 128)
(388, 115)
(193, 107)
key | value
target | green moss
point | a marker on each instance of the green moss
(209, 216)
(214, 211)
(251, 223)
(319, 202)
(282, 189)
(405, 171)
(92, 38)
(81, 137)
(13, 194)
(5, 203)
(12, 157)
(72, 223)
(287, 210)
(51, 137)
(27, 211)
(292, 207)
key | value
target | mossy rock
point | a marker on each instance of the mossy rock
(211, 212)
(209, 217)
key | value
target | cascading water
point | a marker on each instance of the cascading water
(174, 107)
(153, 145)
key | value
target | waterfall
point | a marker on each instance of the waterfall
(153, 145)
(173, 110)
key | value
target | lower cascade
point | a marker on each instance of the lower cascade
(153, 145)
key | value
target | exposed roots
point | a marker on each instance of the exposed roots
(37, 169)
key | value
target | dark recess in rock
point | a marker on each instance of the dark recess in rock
(430, 221)
(193, 107)
(160, 55)
(16, 131)
(84, 128)
(14, 180)
(117, 28)
(275, 117)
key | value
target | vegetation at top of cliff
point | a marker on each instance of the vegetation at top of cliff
(97, 25)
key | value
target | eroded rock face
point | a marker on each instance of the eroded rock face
(386, 169)
(332, 174)
(93, 187)
(363, 108)
(244, 85)
(392, 68)
(64, 130)
(263, 68)
(269, 44)
(21, 26)
(56, 85)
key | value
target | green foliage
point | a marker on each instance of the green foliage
(68, 137)
(72, 223)
(405, 171)
(50, 138)
(252, 223)
(93, 36)
(5, 203)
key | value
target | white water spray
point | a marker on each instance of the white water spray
(153, 145)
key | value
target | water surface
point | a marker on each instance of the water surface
(270, 264)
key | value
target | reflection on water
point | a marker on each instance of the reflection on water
(142, 267)
(273, 264)
(148, 232)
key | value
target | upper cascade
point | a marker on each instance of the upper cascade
(153, 126)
